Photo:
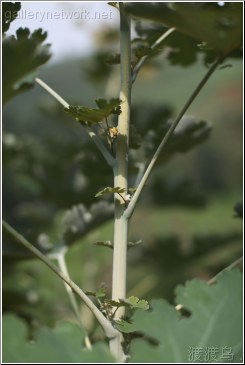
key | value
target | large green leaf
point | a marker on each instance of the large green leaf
(64, 344)
(215, 322)
(9, 13)
(22, 55)
(218, 26)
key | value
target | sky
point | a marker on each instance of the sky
(70, 25)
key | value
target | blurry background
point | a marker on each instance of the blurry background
(185, 217)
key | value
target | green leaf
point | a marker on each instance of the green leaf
(9, 13)
(114, 303)
(132, 244)
(215, 321)
(22, 55)
(219, 26)
(100, 293)
(104, 243)
(110, 190)
(132, 302)
(135, 302)
(90, 115)
(63, 344)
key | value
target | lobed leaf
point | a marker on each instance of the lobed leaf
(135, 302)
(219, 26)
(92, 115)
(22, 55)
(100, 293)
(63, 344)
(210, 307)
(110, 190)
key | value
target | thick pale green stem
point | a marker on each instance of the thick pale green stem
(121, 168)
(121, 177)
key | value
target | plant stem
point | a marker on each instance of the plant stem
(108, 132)
(60, 257)
(121, 168)
(234, 264)
(128, 212)
(109, 330)
(52, 92)
(107, 155)
(121, 176)
(142, 60)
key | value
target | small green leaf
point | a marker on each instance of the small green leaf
(92, 115)
(110, 190)
(104, 243)
(135, 302)
(114, 303)
(132, 244)
(100, 293)
(109, 107)
(132, 302)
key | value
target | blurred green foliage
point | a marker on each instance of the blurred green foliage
(52, 171)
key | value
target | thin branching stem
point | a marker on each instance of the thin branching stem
(233, 265)
(109, 330)
(128, 212)
(107, 155)
(60, 258)
(142, 60)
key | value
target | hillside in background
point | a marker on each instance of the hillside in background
(220, 103)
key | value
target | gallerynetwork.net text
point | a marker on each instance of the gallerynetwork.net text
(59, 15)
